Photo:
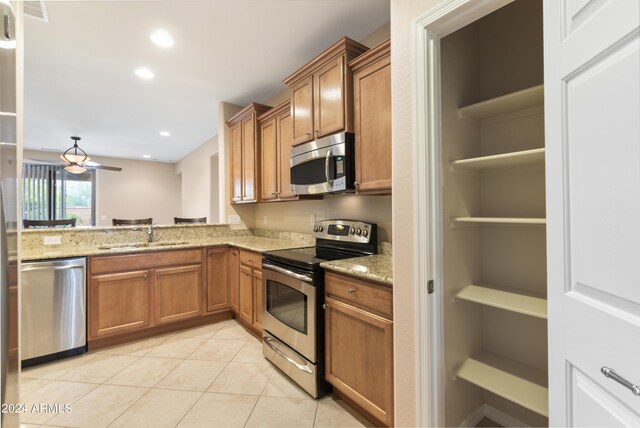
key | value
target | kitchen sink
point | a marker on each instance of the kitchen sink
(137, 245)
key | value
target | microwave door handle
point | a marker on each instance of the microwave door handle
(326, 167)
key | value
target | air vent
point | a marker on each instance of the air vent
(36, 9)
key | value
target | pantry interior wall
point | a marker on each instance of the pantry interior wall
(494, 56)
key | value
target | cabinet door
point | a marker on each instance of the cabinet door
(217, 285)
(269, 160)
(302, 110)
(329, 98)
(285, 142)
(373, 127)
(257, 299)
(246, 294)
(178, 293)
(236, 163)
(249, 147)
(358, 344)
(119, 303)
(233, 274)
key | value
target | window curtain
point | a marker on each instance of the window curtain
(43, 191)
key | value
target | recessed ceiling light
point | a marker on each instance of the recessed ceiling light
(165, 133)
(144, 73)
(146, 156)
(162, 38)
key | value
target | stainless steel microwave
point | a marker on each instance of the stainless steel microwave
(325, 165)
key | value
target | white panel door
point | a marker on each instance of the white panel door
(592, 119)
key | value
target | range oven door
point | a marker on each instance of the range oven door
(289, 308)
(323, 166)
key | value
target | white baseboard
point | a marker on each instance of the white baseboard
(497, 416)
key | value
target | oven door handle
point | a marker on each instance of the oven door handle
(267, 340)
(305, 278)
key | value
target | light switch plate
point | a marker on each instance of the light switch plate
(53, 240)
(233, 219)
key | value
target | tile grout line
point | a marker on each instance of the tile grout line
(191, 407)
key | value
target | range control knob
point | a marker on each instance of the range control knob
(320, 228)
(353, 230)
(358, 231)
(315, 228)
(365, 233)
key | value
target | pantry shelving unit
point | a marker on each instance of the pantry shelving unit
(496, 186)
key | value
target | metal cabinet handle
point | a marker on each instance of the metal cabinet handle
(308, 134)
(146, 276)
(209, 253)
(324, 306)
(316, 131)
(157, 274)
(267, 341)
(352, 291)
(622, 381)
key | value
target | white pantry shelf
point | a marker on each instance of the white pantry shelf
(524, 221)
(506, 298)
(519, 383)
(520, 100)
(505, 160)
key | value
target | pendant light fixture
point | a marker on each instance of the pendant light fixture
(74, 160)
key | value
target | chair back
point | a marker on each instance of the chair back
(42, 224)
(183, 220)
(126, 221)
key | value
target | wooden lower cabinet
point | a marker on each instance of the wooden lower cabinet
(218, 288)
(119, 303)
(246, 295)
(257, 299)
(359, 357)
(233, 275)
(178, 293)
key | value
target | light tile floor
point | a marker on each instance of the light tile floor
(209, 376)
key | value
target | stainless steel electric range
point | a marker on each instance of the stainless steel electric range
(293, 296)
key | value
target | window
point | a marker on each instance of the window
(51, 193)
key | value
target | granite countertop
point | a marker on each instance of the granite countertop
(378, 268)
(250, 242)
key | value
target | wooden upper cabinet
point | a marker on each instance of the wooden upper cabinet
(236, 163)
(302, 110)
(276, 133)
(321, 95)
(218, 287)
(178, 293)
(372, 114)
(119, 303)
(245, 147)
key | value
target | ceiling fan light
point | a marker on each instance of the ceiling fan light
(75, 169)
(71, 158)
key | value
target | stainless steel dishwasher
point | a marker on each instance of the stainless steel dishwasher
(54, 309)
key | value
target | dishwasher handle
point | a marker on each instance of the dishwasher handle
(51, 267)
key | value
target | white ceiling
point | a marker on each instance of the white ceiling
(79, 77)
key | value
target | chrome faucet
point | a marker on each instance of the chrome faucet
(148, 230)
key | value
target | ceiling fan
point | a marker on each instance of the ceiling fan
(77, 161)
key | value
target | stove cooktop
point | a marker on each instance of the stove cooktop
(308, 258)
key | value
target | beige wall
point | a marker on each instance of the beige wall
(198, 180)
(295, 216)
(403, 12)
(142, 189)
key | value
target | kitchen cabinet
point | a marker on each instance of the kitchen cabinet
(178, 293)
(233, 275)
(119, 303)
(134, 292)
(372, 119)
(321, 93)
(245, 147)
(359, 343)
(276, 136)
(250, 310)
(218, 284)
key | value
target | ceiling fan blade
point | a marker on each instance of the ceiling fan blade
(105, 167)
(96, 165)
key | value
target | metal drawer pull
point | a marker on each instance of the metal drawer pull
(622, 381)
(282, 354)
(352, 291)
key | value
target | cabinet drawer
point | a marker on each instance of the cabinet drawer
(129, 262)
(251, 258)
(362, 294)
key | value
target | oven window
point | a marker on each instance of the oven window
(312, 172)
(287, 305)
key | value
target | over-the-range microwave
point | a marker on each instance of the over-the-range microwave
(325, 165)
